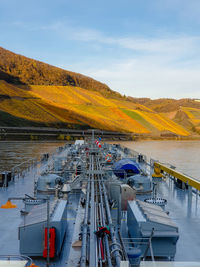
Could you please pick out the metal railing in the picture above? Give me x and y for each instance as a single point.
(19, 170)
(138, 243)
(159, 167)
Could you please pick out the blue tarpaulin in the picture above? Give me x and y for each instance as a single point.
(125, 168)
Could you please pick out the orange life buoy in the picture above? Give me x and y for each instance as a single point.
(108, 158)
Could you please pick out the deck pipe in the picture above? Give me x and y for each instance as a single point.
(99, 222)
(112, 231)
(85, 226)
(93, 243)
(115, 244)
(103, 221)
(48, 227)
(98, 215)
(93, 237)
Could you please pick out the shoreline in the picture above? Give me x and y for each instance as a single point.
(193, 138)
(62, 134)
(60, 138)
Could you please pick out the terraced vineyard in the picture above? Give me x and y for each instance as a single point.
(76, 107)
(26, 101)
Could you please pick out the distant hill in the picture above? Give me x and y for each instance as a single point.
(166, 104)
(185, 112)
(33, 93)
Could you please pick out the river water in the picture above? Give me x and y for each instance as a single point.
(15, 152)
(185, 155)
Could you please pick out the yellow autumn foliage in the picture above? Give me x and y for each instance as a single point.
(193, 114)
(75, 105)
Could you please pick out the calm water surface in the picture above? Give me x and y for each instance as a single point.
(15, 152)
(185, 155)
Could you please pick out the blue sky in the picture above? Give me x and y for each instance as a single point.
(142, 48)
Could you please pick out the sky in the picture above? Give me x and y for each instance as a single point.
(140, 48)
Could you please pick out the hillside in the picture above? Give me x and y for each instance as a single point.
(185, 112)
(17, 69)
(166, 104)
(33, 93)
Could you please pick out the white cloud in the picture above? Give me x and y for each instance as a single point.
(163, 66)
(149, 77)
(161, 44)
(159, 67)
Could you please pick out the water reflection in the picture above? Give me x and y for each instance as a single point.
(15, 152)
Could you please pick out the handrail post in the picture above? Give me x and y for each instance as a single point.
(48, 225)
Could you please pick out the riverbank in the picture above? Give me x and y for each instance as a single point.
(53, 134)
(157, 138)
(45, 133)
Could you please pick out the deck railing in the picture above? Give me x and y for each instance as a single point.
(160, 167)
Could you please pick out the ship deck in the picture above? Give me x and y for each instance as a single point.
(12, 218)
(186, 214)
(182, 210)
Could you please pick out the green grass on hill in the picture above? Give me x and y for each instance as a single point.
(139, 118)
